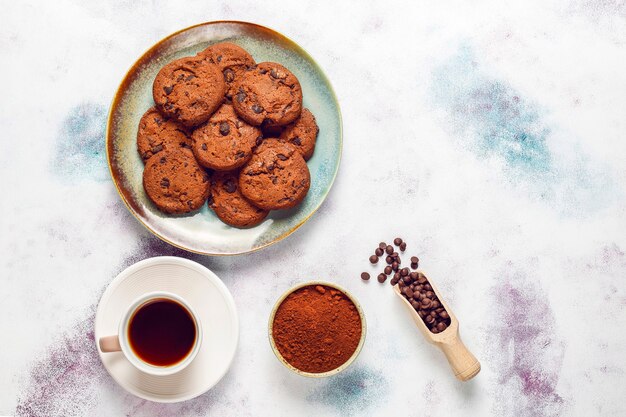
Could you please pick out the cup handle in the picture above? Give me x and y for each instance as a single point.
(110, 344)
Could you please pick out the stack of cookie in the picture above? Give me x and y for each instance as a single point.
(227, 130)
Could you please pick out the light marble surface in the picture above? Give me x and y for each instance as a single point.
(490, 136)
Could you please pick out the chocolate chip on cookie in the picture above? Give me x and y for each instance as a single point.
(225, 142)
(276, 177)
(175, 182)
(156, 134)
(302, 133)
(231, 59)
(268, 94)
(189, 90)
(230, 205)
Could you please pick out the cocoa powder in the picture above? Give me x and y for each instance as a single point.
(316, 328)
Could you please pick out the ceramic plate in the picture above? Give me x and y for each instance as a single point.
(208, 297)
(202, 232)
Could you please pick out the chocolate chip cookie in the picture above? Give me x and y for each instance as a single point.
(230, 205)
(156, 133)
(231, 59)
(268, 94)
(302, 134)
(175, 182)
(276, 177)
(225, 142)
(189, 90)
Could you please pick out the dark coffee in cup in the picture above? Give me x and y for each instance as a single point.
(162, 332)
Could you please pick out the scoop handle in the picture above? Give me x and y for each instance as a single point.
(463, 362)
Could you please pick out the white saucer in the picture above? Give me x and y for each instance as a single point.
(206, 294)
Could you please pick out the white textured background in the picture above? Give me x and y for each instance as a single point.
(490, 136)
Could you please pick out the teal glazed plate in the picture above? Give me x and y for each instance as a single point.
(202, 232)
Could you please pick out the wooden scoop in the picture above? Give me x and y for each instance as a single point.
(463, 362)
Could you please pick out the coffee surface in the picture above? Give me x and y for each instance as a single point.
(162, 332)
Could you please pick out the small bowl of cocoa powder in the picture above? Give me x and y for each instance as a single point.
(317, 329)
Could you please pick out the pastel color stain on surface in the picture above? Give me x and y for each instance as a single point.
(352, 392)
(526, 352)
(80, 152)
(502, 122)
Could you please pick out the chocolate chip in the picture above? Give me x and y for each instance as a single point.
(397, 275)
(397, 241)
(374, 259)
(229, 75)
(165, 182)
(413, 266)
(224, 128)
(219, 58)
(403, 246)
(230, 186)
(389, 249)
(204, 147)
(414, 259)
(382, 245)
(394, 266)
(379, 252)
(296, 141)
(281, 157)
(168, 89)
(259, 139)
(365, 276)
(393, 281)
(413, 275)
(389, 260)
(162, 160)
(256, 108)
(382, 278)
(441, 326)
(444, 314)
(388, 270)
(190, 77)
(273, 73)
(241, 96)
(156, 149)
(240, 155)
(404, 272)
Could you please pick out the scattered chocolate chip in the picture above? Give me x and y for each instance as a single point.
(374, 259)
(382, 245)
(404, 272)
(365, 276)
(382, 278)
(403, 246)
(414, 259)
(397, 241)
(388, 270)
(224, 128)
(241, 96)
(379, 252)
(389, 249)
(389, 260)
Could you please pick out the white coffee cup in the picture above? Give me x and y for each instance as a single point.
(120, 341)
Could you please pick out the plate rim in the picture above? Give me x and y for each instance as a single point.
(124, 274)
(117, 98)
